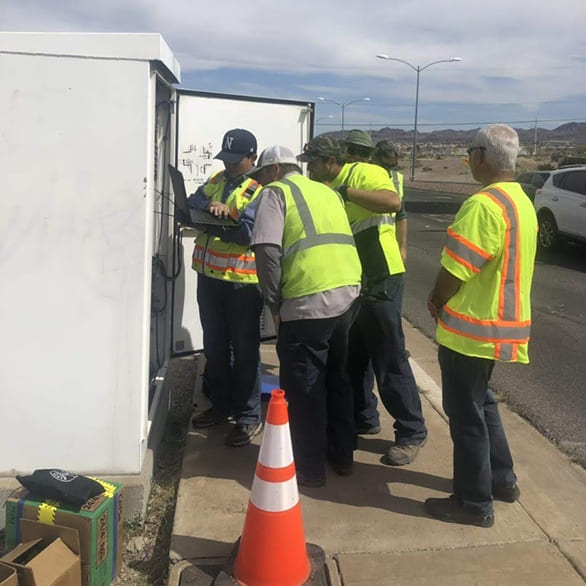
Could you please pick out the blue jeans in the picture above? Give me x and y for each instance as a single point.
(378, 334)
(312, 355)
(230, 318)
(482, 458)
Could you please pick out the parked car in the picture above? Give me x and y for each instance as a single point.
(561, 206)
(531, 181)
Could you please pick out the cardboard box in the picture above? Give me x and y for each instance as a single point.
(47, 556)
(8, 575)
(99, 524)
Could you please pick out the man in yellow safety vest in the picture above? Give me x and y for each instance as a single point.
(309, 272)
(370, 203)
(481, 302)
(227, 292)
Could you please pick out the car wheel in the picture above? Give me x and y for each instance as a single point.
(548, 231)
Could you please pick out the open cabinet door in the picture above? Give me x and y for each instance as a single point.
(202, 120)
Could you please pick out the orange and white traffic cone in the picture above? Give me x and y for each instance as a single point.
(272, 550)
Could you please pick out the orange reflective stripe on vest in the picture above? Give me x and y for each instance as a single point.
(465, 252)
(507, 330)
(217, 261)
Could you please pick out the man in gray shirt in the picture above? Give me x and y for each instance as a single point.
(309, 273)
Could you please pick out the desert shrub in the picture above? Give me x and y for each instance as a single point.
(546, 167)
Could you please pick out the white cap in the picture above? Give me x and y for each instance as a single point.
(274, 155)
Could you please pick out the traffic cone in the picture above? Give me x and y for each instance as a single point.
(272, 549)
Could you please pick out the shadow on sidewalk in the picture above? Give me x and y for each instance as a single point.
(373, 485)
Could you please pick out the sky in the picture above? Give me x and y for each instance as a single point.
(522, 60)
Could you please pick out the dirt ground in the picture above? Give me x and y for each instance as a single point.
(452, 174)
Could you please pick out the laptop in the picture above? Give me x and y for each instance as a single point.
(191, 217)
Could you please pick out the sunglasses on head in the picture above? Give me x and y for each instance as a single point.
(470, 150)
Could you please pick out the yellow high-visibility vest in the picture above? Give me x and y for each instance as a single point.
(220, 259)
(374, 233)
(491, 247)
(318, 250)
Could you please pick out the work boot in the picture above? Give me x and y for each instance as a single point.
(243, 433)
(452, 510)
(368, 429)
(400, 455)
(208, 418)
(508, 494)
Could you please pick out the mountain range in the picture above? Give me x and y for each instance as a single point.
(574, 132)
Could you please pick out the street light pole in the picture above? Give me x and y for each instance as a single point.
(343, 105)
(418, 69)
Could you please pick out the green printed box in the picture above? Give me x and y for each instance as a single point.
(99, 523)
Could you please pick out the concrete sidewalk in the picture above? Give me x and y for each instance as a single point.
(373, 525)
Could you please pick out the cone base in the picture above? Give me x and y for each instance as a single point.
(317, 577)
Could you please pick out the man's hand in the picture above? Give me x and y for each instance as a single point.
(403, 251)
(433, 309)
(277, 322)
(219, 209)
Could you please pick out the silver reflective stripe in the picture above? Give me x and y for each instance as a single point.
(317, 241)
(508, 301)
(395, 179)
(378, 220)
(462, 251)
(505, 351)
(488, 332)
(224, 263)
(312, 238)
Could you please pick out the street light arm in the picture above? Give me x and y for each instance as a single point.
(359, 100)
(332, 101)
(451, 60)
(387, 58)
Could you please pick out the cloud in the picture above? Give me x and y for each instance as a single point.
(524, 53)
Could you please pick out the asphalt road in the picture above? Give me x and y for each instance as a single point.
(550, 392)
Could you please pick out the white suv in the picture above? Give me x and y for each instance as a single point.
(561, 206)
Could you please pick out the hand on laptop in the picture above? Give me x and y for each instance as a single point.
(219, 209)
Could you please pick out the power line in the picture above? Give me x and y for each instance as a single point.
(449, 124)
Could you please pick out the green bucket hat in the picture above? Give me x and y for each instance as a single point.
(359, 138)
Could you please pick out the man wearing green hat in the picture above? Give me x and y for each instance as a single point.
(370, 200)
(358, 146)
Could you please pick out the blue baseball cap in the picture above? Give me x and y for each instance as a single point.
(237, 144)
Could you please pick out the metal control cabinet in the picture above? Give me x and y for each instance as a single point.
(88, 307)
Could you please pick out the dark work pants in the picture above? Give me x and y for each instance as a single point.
(482, 458)
(378, 334)
(312, 355)
(230, 318)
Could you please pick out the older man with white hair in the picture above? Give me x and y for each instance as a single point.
(481, 302)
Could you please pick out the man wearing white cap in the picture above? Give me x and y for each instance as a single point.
(309, 273)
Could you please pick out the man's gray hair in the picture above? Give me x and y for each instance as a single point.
(501, 146)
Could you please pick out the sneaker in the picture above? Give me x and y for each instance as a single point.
(451, 510)
(310, 481)
(400, 455)
(208, 418)
(508, 494)
(368, 429)
(243, 433)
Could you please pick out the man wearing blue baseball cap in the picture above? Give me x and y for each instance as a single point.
(227, 293)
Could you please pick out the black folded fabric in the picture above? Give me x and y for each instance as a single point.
(61, 486)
